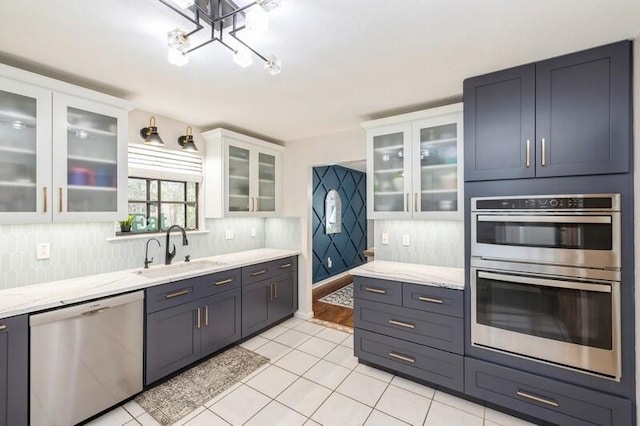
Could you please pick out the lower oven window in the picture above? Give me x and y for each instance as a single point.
(569, 315)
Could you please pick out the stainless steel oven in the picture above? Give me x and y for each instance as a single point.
(552, 314)
(545, 279)
(575, 230)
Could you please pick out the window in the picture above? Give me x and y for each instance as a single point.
(156, 204)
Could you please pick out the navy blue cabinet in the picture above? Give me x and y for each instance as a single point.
(14, 357)
(269, 294)
(566, 116)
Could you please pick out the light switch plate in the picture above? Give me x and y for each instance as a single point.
(406, 240)
(329, 263)
(228, 234)
(253, 232)
(43, 251)
(385, 238)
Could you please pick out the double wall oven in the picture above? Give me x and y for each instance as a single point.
(545, 279)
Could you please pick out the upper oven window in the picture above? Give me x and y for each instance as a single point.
(573, 232)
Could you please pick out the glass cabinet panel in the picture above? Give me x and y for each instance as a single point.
(18, 153)
(92, 161)
(438, 152)
(389, 172)
(238, 175)
(266, 183)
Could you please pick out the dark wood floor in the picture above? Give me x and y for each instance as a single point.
(328, 312)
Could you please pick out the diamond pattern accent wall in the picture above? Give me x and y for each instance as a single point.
(345, 248)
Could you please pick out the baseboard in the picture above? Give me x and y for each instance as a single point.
(329, 280)
(303, 315)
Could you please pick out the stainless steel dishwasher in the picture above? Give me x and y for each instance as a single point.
(85, 359)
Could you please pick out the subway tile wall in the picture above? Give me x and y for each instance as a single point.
(439, 243)
(82, 249)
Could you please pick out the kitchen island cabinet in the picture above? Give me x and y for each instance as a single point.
(14, 371)
(565, 116)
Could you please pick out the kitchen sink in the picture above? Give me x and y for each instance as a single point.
(178, 268)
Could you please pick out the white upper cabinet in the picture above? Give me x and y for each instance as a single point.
(414, 165)
(63, 157)
(242, 175)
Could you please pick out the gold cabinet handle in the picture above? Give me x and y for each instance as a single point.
(285, 266)
(275, 290)
(375, 290)
(404, 358)
(176, 294)
(255, 206)
(415, 204)
(407, 202)
(206, 316)
(544, 152)
(60, 200)
(430, 300)
(44, 198)
(3, 327)
(198, 318)
(270, 292)
(223, 282)
(402, 324)
(528, 153)
(527, 395)
(255, 274)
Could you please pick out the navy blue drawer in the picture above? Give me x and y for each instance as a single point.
(544, 398)
(376, 290)
(261, 271)
(433, 299)
(173, 294)
(220, 281)
(425, 328)
(424, 363)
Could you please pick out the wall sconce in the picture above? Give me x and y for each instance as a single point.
(186, 142)
(150, 134)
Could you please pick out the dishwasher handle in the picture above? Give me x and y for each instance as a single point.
(86, 309)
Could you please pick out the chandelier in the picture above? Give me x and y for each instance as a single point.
(226, 21)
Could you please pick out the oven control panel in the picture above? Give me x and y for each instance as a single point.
(545, 203)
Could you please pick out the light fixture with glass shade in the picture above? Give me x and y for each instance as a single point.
(186, 142)
(226, 22)
(150, 134)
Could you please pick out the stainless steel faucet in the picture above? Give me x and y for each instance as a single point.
(146, 252)
(169, 255)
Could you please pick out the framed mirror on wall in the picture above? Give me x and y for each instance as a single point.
(333, 212)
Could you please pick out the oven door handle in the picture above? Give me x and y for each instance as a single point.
(546, 219)
(600, 288)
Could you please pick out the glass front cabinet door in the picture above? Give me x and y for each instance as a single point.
(437, 166)
(389, 172)
(25, 153)
(89, 160)
(414, 165)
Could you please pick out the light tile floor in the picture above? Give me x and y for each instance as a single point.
(314, 379)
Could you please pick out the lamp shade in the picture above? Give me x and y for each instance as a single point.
(186, 142)
(150, 134)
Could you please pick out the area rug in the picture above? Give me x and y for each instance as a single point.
(181, 395)
(341, 297)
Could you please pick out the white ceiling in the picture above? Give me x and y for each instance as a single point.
(344, 61)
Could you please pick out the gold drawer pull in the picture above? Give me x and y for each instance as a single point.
(375, 290)
(285, 266)
(44, 196)
(430, 300)
(206, 315)
(402, 324)
(404, 358)
(198, 324)
(3, 327)
(60, 200)
(227, 281)
(550, 402)
(179, 293)
(255, 274)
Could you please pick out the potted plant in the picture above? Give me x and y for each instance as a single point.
(125, 225)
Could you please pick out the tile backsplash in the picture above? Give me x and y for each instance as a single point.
(82, 249)
(439, 243)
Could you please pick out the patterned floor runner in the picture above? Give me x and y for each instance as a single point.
(341, 297)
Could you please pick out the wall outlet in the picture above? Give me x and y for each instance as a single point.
(253, 232)
(43, 251)
(329, 262)
(228, 234)
(406, 240)
(385, 238)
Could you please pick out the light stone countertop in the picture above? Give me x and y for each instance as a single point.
(437, 276)
(38, 297)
